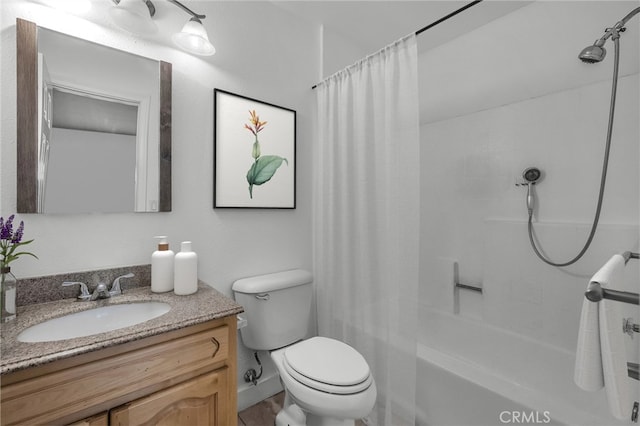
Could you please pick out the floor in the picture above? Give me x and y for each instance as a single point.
(264, 412)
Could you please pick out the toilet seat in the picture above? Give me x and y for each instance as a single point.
(327, 365)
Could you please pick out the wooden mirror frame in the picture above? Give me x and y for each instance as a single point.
(27, 123)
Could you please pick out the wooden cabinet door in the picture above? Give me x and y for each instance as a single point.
(196, 402)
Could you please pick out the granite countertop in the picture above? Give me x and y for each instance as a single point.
(204, 305)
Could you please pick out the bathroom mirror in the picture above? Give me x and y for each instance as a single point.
(93, 126)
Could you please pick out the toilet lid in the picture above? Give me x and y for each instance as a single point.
(328, 365)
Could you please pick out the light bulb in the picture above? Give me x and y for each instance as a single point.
(194, 39)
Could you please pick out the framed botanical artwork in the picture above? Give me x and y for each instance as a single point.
(254, 153)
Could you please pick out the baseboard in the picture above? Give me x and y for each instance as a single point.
(249, 394)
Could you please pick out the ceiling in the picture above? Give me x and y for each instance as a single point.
(375, 24)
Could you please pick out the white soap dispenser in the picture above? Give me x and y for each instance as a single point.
(186, 270)
(162, 267)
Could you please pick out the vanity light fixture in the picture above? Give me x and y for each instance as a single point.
(135, 17)
(193, 38)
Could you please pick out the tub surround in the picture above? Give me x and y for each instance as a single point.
(205, 305)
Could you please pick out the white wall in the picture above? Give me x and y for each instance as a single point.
(339, 52)
(231, 243)
(506, 96)
(263, 53)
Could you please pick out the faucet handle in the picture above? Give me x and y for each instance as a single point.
(115, 287)
(84, 291)
(629, 327)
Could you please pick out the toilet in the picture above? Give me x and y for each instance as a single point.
(326, 382)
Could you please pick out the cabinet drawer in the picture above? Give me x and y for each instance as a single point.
(53, 396)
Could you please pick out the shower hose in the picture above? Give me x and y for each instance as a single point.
(603, 177)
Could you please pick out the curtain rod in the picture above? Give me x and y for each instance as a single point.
(433, 24)
(451, 15)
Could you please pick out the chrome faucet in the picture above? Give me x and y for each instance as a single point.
(101, 291)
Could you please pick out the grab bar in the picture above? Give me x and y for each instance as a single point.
(630, 255)
(469, 287)
(596, 293)
(633, 370)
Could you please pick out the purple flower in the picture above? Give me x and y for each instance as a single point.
(17, 237)
(7, 229)
(10, 241)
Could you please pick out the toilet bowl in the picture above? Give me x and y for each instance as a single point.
(326, 382)
(327, 379)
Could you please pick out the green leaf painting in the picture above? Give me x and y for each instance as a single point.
(264, 166)
(263, 169)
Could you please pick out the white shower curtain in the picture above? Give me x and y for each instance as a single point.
(366, 219)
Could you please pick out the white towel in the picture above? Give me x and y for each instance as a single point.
(600, 356)
(588, 373)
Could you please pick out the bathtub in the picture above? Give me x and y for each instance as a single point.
(470, 373)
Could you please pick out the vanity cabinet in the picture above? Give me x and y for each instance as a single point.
(186, 376)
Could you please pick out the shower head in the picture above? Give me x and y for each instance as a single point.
(531, 175)
(594, 53)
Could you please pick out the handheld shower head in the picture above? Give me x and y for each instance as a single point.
(531, 175)
(593, 54)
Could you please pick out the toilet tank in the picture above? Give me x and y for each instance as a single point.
(277, 308)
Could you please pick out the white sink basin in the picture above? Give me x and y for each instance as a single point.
(93, 321)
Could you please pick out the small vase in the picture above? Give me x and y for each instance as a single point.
(7, 295)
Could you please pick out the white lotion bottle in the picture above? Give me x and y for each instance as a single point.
(186, 270)
(162, 267)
